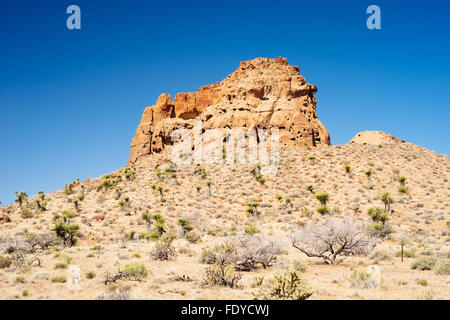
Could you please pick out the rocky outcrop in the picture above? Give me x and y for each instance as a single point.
(374, 138)
(262, 93)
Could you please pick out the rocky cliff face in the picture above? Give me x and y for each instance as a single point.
(262, 93)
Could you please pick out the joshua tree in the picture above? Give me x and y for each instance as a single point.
(310, 188)
(119, 192)
(64, 229)
(252, 209)
(379, 227)
(160, 224)
(368, 173)
(323, 197)
(147, 217)
(312, 159)
(68, 189)
(40, 201)
(402, 180)
(288, 202)
(160, 190)
(387, 200)
(21, 198)
(185, 225)
(347, 168)
(208, 183)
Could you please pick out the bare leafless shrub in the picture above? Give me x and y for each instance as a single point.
(334, 240)
(42, 242)
(163, 249)
(255, 251)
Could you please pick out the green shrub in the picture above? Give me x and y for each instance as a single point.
(135, 270)
(59, 279)
(380, 255)
(410, 253)
(442, 267)
(424, 263)
(251, 229)
(287, 286)
(61, 265)
(360, 278)
(402, 189)
(26, 213)
(5, 262)
(299, 266)
(422, 282)
(90, 275)
(323, 210)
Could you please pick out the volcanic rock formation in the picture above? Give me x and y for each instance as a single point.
(262, 93)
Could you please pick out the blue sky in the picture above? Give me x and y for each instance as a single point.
(71, 100)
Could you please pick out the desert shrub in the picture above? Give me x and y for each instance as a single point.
(59, 279)
(221, 275)
(361, 279)
(208, 256)
(424, 263)
(26, 213)
(380, 255)
(442, 267)
(422, 282)
(323, 197)
(225, 251)
(323, 210)
(5, 262)
(134, 271)
(90, 275)
(42, 242)
(251, 229)
(116, 292)
(287, 286)
(310, 188)
(193, 237)
(255, 251)
(61, 265)
(402, 189)
(164, 250)
(23, 262)
(299, 266)
(409, 253)
(333, 240)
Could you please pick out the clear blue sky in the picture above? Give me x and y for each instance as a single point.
(71, 100)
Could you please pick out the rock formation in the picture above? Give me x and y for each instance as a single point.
(262, 93)
(374, 138)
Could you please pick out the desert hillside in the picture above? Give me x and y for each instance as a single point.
(364, 220)
(420, 218)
